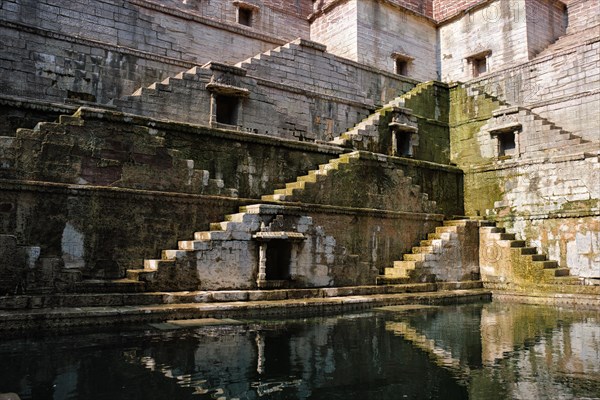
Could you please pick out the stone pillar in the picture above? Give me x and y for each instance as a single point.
(293, 260)
(262, 263)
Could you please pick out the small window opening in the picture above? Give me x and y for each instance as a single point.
(244, 16)
(279, 257)
(401, 67)
(506, 144)
(402, 63)
(403, 145)
(227, 109)
(479, 66)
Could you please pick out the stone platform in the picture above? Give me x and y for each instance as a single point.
(29, 314)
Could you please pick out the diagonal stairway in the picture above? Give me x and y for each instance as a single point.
(544, 136)
(238, 226)
(310, 187)
(421, 265)
(541, 136)
(367, 130)
(196, 76)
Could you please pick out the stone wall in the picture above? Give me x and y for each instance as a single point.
(337, 28)
(497, 32)
(445, 9)
(546, 22)
(547, 194)
(376, 33)
(582, 14)
(101, 51)
(386, 32)
(275, 96)
(555, 86)
(71, 185)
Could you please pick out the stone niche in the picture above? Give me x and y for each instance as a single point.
(404, 132)
(226, 96)
(278, 258)
(504, 129)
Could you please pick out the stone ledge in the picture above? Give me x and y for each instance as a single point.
(233, 135)
(110, 316)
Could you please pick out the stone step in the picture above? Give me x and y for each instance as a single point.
(492, 229)
(423, 249)
(195, 245)
(503, 236)
(459, 222)
(109, 286)
(446, 229)
(536, 257)
(527, 250)
(273, 197)
(407, 264)
(546, 264)
(517, 243)
(420, 257)
(174, 255)
(396, 273)
(156, 264)
(392, 280)
(557, 272)
(429, 243)
(141, 275)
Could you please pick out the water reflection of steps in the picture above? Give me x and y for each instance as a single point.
(441, 357)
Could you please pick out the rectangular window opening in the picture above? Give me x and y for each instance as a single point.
(227, 109)
(401, 67)
(479, 66)
(244, 16)
(506, 144)
(403, 144)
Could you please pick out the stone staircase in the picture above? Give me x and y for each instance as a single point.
(276, 64)
(313, 187)
(544, 137)
(441, 249)
(502, 249)
(571, 39)
(238, 226)
(194, 76)
(367, 130)
(541, 136)
(292, 190)
(437, 253)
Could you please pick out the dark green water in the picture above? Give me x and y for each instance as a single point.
(484, 351)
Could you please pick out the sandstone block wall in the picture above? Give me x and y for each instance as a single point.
(499, 28)
(324, 97)
(546, 22)
(73, 184)
(582, 14)
(337, 28)
(444, 9)
(98, 51)
(547, 195)
(562, 86)
(372, 33)
(384, 31)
